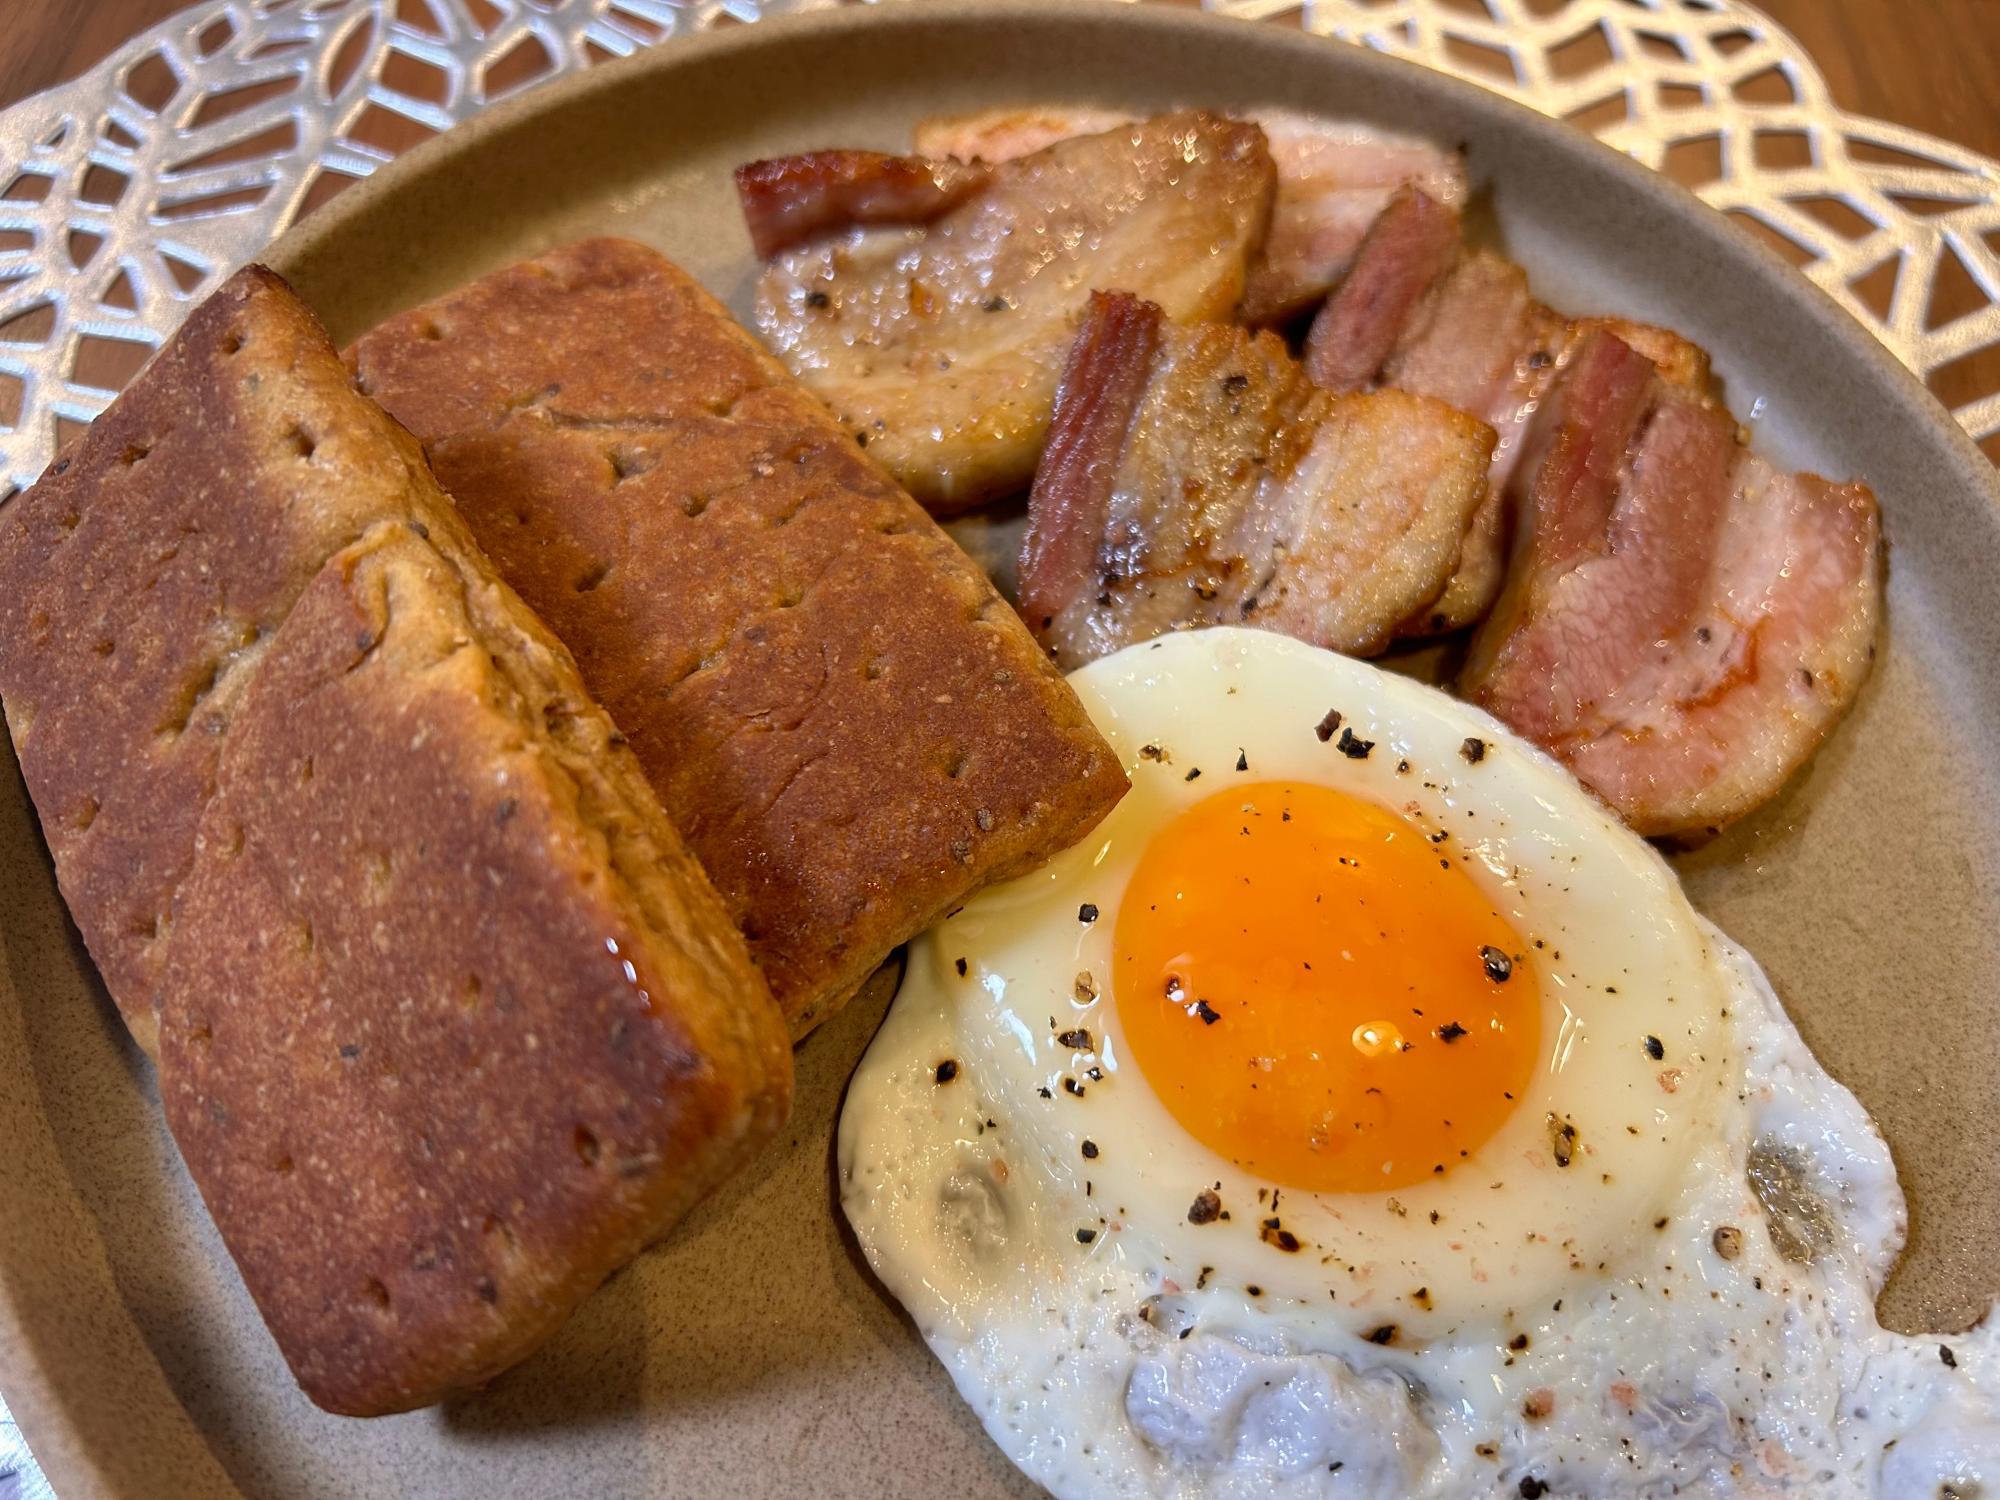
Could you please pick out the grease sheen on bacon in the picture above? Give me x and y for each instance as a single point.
(1420, 312)
(940, 347)
(788, 199)
(1682, 624)
(1195, 477)
(1334, 177)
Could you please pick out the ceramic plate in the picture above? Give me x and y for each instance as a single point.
(754, 1352)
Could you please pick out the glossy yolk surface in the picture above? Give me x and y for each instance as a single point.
(1313, 989)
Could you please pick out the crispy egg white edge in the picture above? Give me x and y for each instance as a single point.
(1039, 1331)
(1720, 1376)
(1622, 959)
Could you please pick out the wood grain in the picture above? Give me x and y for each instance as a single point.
(46, 41)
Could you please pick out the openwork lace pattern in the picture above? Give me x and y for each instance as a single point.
(126, 195)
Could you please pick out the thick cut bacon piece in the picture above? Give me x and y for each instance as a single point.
(1410, 247)
(1681, 623)
(1418, 313)
(940, 347)
(996, 135)
(1195, 477)
(789, 199)
(1334, 178)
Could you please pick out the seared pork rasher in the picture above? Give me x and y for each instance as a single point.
(940, 346)
(1420, 313)
(1681, 624)
(791, 199)
(1194, 476)
(1334, 177)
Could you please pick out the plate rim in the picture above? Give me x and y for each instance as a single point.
(43, 1412)
(311, 235)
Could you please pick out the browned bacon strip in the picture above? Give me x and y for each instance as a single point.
(1681, 624)
(1334, 176)
(1754, 686)
(940, 347)
(789, 199)
(1463, 327)
(1409, 247)
(1107, 373)
(1194, 476)
(1578, 451)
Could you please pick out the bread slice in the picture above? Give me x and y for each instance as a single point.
(140, 581)
(453, 1025)
(850, 727)
(449, 1022)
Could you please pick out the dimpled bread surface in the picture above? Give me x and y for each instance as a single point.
(448, 1020)
(437, 912)
(847, 723)
(140, 581)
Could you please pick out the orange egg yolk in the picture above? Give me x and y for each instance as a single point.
(1318, 993)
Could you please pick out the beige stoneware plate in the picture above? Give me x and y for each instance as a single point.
(753, 1354)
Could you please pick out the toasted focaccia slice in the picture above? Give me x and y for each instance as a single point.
(847, 723)
(142, 577)
(452, 1024)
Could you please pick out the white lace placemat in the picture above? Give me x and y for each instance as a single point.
(129, 193)
(20, 1478)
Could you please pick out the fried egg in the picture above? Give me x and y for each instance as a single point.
(1361, 1110)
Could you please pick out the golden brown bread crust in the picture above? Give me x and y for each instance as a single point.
(453, 1025)
(450, 1020)
(849, 726)
(141, 578)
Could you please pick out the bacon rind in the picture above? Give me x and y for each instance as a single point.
(787, 200)
(1409, 247)
(1226, 488)
(1682, 625)
(1107, 373)
(1572, 465)
(1334, 178)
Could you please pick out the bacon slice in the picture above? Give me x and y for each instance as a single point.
(1419, 314)
(789, 199)
(1194, 476)
(1681, 623)
(996, 135)
(1412, 244)
(940, 347)
(1109, 368)
(1334, 179)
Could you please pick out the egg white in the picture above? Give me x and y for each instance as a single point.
(1150, 1357)
(1024, 986)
